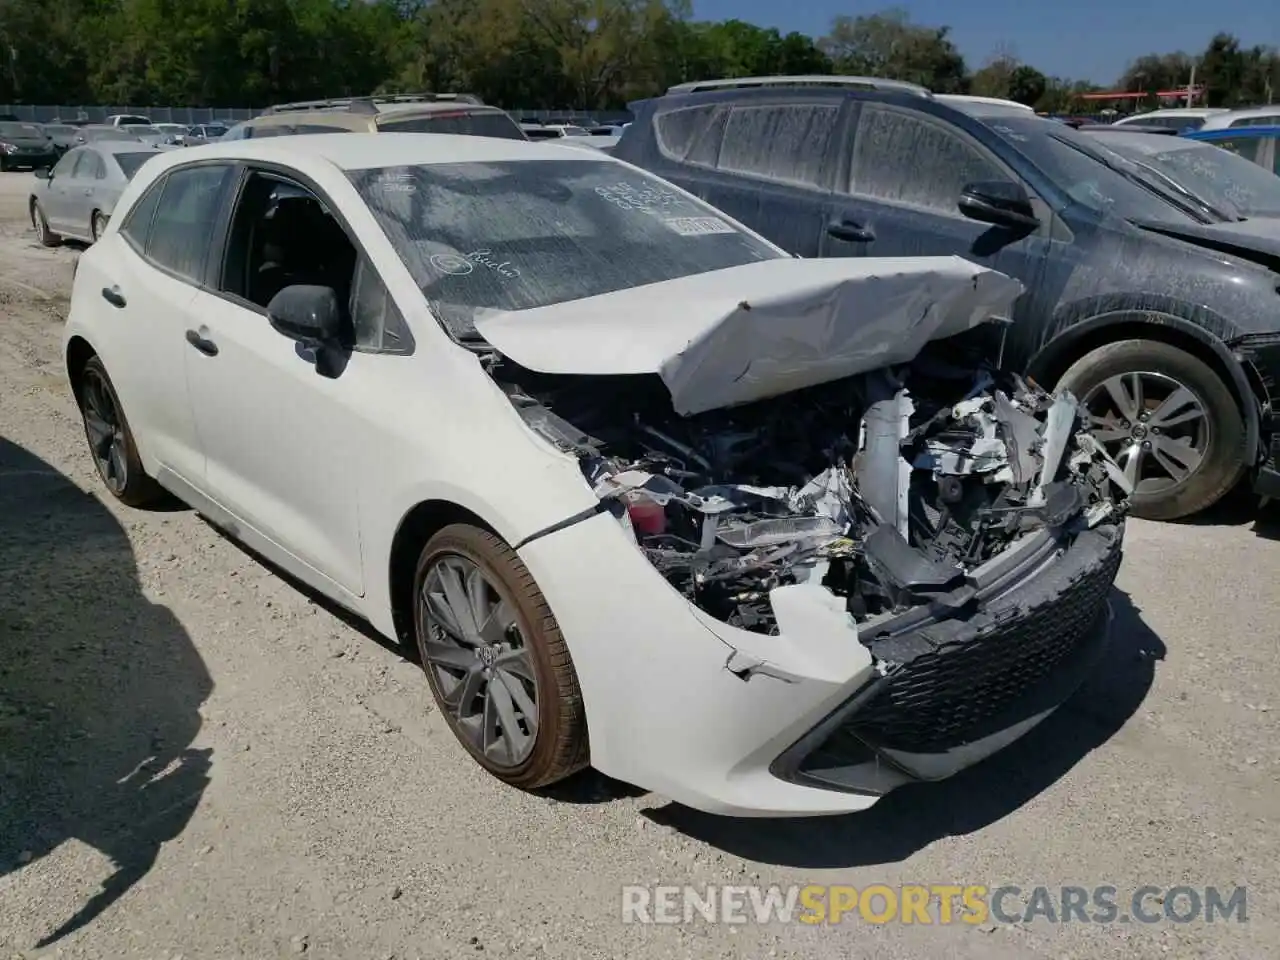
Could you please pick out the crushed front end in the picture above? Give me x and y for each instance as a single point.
(1261, 353)
(965, 526)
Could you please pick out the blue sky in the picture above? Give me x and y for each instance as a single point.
(1082, 39)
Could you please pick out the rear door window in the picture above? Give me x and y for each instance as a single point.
(904, 157)
(783, 142)
(185, 219)
(85, 165)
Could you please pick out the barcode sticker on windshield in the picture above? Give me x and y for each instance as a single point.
(698, 226)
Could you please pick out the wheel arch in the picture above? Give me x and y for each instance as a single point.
(1052, 360)
(79, 352)
(422, 522)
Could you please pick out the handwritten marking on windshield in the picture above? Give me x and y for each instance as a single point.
(646, 199)
(452, 264)
(502, 268)
(698, 226)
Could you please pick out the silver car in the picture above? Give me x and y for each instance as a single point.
(75, 198)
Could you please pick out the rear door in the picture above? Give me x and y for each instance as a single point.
(55, 198)
(899, 196)
(144, 278)
(769, 165)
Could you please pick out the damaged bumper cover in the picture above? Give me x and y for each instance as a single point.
(886, 560)
(1262, 353)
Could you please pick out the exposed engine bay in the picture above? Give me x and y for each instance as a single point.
(888, 488)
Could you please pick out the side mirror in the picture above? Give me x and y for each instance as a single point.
(1000, 202)
(309, 314)
(43, 173)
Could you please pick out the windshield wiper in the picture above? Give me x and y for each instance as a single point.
(1199, 201)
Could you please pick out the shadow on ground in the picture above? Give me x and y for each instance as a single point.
(1240, 508)
(100, 690)
(913, 817)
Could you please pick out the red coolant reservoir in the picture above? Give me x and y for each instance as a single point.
(648, 517)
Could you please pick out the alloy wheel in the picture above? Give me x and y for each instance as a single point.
(104, 428)
(1157, 429)
(479, 661)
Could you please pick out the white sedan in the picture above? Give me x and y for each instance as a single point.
(641, 489)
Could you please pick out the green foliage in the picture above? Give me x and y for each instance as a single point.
(587, 54)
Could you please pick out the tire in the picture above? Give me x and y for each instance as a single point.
(46, 236)
(1217, 431)
(115, 455)
(530, 656)
(97, 223)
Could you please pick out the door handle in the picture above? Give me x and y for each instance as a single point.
(203, 344)
(850, 232)
(113, 296)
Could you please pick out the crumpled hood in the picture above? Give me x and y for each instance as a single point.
(759, 330)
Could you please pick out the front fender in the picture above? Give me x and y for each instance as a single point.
(1206, 327)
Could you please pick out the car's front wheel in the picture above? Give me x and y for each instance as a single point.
(111, 441)
(1167, 418)
(497, 665)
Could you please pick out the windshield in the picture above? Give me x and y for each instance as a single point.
(131, 163)
(1070, 161)
(133, 121)
(482, 124)
(10, 129)
(1221, 177)
(516, 235)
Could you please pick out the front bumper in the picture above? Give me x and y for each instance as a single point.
(961, 690)
(744, 724)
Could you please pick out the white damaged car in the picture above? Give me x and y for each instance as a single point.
(764, 535)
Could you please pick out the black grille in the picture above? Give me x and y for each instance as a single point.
(946, 696)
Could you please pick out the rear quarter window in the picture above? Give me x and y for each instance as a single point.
(677, 131)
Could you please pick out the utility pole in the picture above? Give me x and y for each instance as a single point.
(1191, 87)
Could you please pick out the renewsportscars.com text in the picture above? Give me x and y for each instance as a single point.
(941, 904)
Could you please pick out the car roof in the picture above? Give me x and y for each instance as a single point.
(963, 100)
(362, 151)
(1224, 119)
(1174, 112)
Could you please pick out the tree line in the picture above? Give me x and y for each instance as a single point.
(535, 54)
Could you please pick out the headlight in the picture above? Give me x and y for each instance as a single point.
(7, 147)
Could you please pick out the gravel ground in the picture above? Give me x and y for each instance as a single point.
(198, 760)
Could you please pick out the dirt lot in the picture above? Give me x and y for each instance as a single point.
(197, 760)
